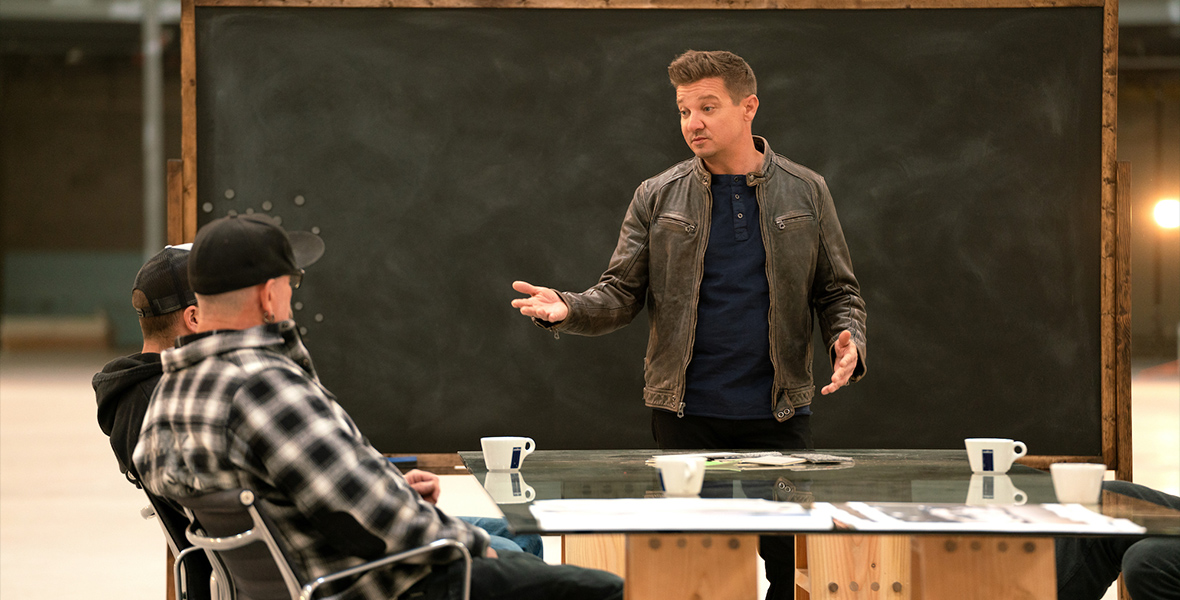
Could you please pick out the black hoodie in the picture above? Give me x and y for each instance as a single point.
(123, 390)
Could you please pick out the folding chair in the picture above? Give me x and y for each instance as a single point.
(236, 529)
(196, 579)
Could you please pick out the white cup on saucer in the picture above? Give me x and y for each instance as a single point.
(681, 476)
(506, 453)
(993, 456)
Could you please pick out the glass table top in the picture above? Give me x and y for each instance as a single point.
(911, 476)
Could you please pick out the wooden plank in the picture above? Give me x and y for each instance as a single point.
(175, 202)
(444, 463)
(1042, 462)
(56, 332)
(802, 571)
(861, 567)
(690, 567)
(170, 574)
(978, 567)
(188, 124)
(660, 4)
(607, 552)
(983, 568)
(1108, 293)
(1122, 327)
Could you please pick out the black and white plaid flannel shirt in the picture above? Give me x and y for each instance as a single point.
(245, 409)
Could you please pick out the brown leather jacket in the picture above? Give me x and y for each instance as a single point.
(660, 258)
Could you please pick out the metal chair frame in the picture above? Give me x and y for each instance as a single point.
(259, 532)
(219, 588)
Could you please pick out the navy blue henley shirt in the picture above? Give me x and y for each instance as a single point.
(730, 375)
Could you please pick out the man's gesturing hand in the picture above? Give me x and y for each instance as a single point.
(542, 303)
(846, 357)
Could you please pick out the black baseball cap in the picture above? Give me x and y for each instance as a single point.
(240, 251)
(163, 279)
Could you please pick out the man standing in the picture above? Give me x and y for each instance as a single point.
(240, 405)
(735, 252)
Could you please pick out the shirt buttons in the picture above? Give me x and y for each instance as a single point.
(737, 196)
(740, 215)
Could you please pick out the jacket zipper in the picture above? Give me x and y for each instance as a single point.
(704, 244)
(781, 222)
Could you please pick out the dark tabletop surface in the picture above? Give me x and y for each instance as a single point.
(920, 476)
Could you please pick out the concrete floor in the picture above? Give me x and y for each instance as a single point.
(70, 525)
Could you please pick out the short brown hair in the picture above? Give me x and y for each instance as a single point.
(161, 328)
(694, 65)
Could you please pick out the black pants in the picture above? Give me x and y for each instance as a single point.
(695, 433)
(517, 576)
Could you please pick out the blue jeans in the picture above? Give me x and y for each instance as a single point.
(1086, 566)
(504, 539)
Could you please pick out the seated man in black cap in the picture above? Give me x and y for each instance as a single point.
(167, 309)
(240, 405)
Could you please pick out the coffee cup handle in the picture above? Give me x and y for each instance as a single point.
(529, 446)
(1019, 449)
(1019, 497)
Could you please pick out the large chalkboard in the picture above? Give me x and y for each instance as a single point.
(444, 153)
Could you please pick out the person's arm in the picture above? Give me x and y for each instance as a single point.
(291, 434)
(619, 294)
(835, 294)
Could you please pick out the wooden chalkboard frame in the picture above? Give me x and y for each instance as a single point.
(1115, 186)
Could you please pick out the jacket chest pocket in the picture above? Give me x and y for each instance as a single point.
(674, 240)
(794, 220)
(675, 222)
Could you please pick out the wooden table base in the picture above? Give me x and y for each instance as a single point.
(835, 567)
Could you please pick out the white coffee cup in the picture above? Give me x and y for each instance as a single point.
(1077, 483)
(508, 487)
(993, 456)
(994, 489)
(681, 475)
(505, 453)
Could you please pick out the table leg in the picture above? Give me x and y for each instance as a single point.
(930, 567)
(672, 566)
(691, 566)
(606, 551)
(859, 566)
(984, 568)
(852, 566)
(802, 573)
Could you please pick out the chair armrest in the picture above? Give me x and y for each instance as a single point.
(310, 588)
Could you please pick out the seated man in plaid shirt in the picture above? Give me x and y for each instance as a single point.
(239, 405)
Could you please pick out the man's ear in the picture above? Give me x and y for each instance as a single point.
(268, 296)
(191, 318)
(750, 107)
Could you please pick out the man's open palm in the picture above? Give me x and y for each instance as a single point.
(542, 303)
